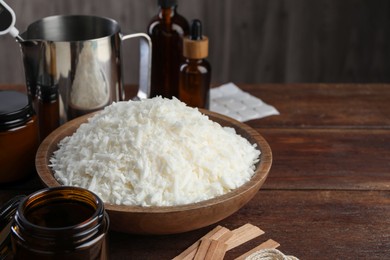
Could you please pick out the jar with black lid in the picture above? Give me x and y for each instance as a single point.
(18, 136)
(60, 223)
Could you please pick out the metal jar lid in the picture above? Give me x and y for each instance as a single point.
(15, 109)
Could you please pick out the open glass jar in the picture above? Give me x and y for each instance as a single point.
(60, 223)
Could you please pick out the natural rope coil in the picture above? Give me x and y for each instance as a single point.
(269, 254)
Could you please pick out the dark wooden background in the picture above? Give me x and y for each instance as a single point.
(251, 41)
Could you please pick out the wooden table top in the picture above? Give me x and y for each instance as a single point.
(328, 192)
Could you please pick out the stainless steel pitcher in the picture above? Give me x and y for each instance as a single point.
(81, 56)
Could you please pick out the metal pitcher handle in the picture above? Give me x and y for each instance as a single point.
(145, 64)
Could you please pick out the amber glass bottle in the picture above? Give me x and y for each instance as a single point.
(166, 30)
(18, 136)
(195, 72)
(48, 109)
(60, 223)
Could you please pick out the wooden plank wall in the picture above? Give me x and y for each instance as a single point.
(251, 41)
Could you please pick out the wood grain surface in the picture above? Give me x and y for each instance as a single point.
(329, 159)
(251, 41)
(308, 224)
(338, 106)
(327, 195)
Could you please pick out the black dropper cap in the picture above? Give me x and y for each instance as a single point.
(196, 30)
(167, 3)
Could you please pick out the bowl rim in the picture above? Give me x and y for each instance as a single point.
(263, 167)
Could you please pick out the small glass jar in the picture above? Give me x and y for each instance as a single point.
(60, 223)
(18, 136)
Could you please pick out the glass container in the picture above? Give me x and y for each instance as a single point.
(18, 136)
(60, 223)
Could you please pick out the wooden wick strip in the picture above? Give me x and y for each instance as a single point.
(216, 251)
(242, 235)
(265, 245)
(202, 249)
(218, 233)
(223, 237)
(216, 248)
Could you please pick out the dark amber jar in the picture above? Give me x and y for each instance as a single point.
(18, 136)
(60, 223)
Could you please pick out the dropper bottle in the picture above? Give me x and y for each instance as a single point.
(195, 72)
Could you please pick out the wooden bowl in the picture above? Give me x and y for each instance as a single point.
(170, 219)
